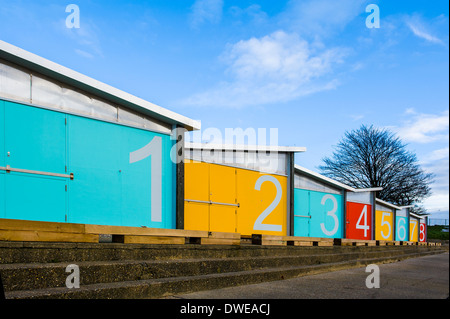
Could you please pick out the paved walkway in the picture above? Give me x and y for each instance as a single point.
(421, 278)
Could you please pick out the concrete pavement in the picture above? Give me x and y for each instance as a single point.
(416, 278)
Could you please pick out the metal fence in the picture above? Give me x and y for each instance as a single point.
(437, 221)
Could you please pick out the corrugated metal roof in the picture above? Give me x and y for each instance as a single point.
(333, 182)
(382, 202)
(322, 178)
(65, 75)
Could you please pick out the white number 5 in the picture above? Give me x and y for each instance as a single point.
(385, 222)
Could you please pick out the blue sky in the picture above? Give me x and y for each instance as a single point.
(310, 68)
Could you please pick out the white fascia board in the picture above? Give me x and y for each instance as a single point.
(417, 216)
(65, 75)
(372, 189)
(251, 148)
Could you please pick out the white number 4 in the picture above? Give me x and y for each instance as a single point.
(365, 226)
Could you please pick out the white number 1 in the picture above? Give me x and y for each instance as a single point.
(153, 149)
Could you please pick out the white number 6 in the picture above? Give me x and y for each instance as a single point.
(401, 229)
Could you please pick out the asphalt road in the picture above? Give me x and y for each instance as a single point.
(416, 278)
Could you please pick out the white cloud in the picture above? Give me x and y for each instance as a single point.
(437, 203)
(321, 17)
(425, 128)
(410, 111)
(206, 11)
(421, 30)
(86, 38)
(423, 34)
(356, 117)
(436, 155)
(84, 54)
(439, 199)
(432, 130)
(437, 163)
(275, 68)
(254, 13)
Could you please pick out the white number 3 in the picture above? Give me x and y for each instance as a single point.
(331, 213)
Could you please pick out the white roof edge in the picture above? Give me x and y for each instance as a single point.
(371, 189)
(39, 64)
(417, 216)
(388, 204)
(236, 147)
(323, 178)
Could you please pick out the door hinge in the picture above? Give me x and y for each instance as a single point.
(66, 187)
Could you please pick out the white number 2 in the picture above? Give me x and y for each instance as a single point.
(365, 226)
(331, 213)
(259, 221)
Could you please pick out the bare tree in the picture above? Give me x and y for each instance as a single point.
(371, 157)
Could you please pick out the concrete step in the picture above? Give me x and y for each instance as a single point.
(175, 284)
(46, 275)
(34, 252)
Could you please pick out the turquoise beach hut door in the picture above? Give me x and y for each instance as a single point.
(34, 175)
